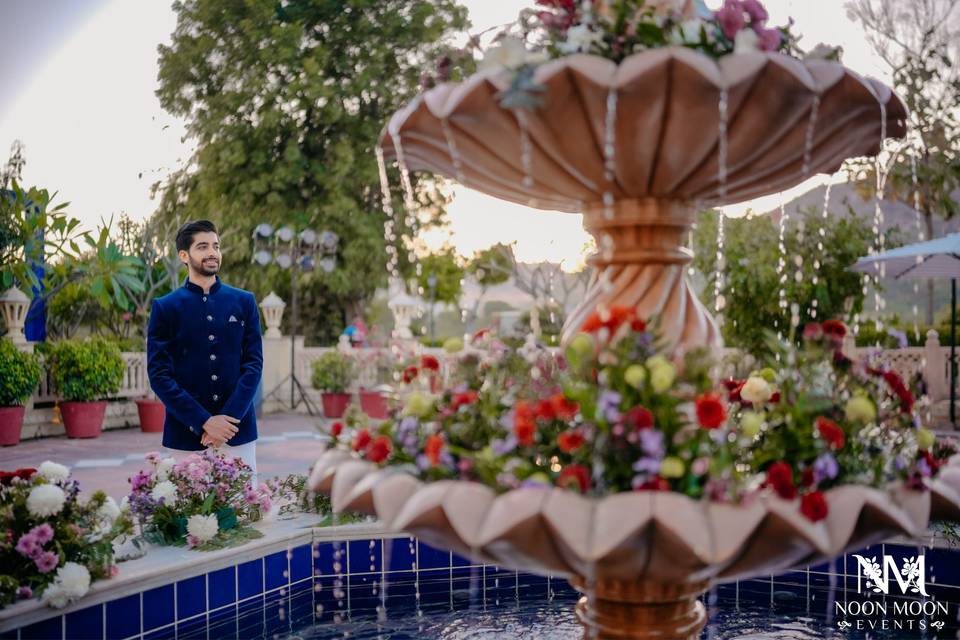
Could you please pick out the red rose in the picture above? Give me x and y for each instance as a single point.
(639, 418)
(524, 427)
(806, 478)
(733, 388)
(780, 479)
(479, 335)
(430, 363)
(463, 399)
(831, 432)
(379, 450)
(564, 408)
(410, 374)
(336, 429)
(574, 476)
(775, 398)
(25, 473)
(362, 440)
(835, 329)
(900, 389)
(570, 441)
(711, 413)
(611, 319)
(544, 410)
(433, 448)
(657, 483)
(814, 506)
(812, 331)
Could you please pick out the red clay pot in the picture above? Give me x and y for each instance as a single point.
(11, 420)
(334, 404)
(83, 419)
(374, 404)
(152, 415)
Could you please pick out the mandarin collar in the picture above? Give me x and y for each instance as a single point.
(196, 289)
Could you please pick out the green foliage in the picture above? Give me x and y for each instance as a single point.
(333, 372)
(492, 266)
(286, 102)
(444, 265)
(19, 374)
(86, 370)
(752, 285)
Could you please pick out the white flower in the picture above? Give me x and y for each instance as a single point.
(165, 491)
(202, 528)
(756, 390)
(579, 39)
(71, 582)
(162, 472)
(45, 500)
(687, 32)
(824, 52)
(53, 472)
(109, 511)
(746, 41)
(511, 53)
(124, 504)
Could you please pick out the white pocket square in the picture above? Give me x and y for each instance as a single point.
(232, 319)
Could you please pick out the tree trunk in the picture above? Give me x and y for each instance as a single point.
(928, 219)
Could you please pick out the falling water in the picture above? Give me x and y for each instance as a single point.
(339, 593)
(389, 218)
(609, 151)
(408, 198)
(822, 234)
(453, 151)
(880, 170)
(526, 153)
(720, 301)
(781, 267)
(921, 236)
(811, 130)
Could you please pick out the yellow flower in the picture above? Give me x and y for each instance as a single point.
(925, 438)
(453, 345)
(672, 467)
(860, 409)
(417, 405)
(750, 424)
(635, 375)
(662, 376)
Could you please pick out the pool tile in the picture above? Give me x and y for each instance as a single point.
(301, 607)
(366, 556)
(277, 572)
(157, 607)
(431, 558)
(193, 629)
(222, 587)
(276, 615)
(165, 633)
(250, 578)
(191, 597)
(250, 618)
(222, 624)
(43, 630)
(402, 554)
(325, 557)
(123, 617)
(86, 624)
(301, 562)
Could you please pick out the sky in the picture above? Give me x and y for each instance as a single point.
(78, 91)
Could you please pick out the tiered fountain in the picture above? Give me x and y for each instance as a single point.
(639, 148)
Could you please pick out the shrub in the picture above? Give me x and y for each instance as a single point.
(333, 372)
(19, 374)
(86, 370)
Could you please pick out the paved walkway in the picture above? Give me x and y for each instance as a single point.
(288, 443)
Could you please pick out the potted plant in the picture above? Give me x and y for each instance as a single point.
(20, 372)
(85, 372)
(373, 402)
(332, 374)
(152, 414)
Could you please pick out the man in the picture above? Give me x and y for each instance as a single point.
(204, 354)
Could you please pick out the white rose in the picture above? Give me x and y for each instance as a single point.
(45, 500)
(756, 390)
(579, 39)
(71, 582)
(202, 528)
(53, 472)
(109, 511)
(165, 491)
(162, 472)
(746, 42)
(511, 53)
(55, 596)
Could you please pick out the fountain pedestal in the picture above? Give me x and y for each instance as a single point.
(640, 264)
(641, 609)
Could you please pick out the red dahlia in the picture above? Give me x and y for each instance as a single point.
(711, 413)
(410, 374)
(362, 440)
(524, 427)
(379, 450)
(814, 506)
(432, 449)
(570, 441)
(564, 409)
(429, 363)
(831, 432)
(463, 399)
(336, 429)
(574, 476)
(639, 418)
(780, 479)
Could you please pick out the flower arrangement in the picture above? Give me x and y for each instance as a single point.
(206, 500)
(56, 543)
(613, 414)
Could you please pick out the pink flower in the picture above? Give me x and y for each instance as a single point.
(768, 39)
(153, 457)
(140, 481)
(24, 593)
(27, 545)
(755, 10)
(43, 533)
(47, 561)
(114, 570)
(730, 18)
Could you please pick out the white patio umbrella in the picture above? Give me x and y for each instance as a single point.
(937, 258)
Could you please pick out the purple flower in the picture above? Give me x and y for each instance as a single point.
(139, 481)
(24, 593)
(608, 405)
(47, 561)
(730, 18)
(923, 467)
(43, 533)
(647, 465)
(502, 447)
(534, 484)
(825, 467)
(27, 545)
(651, 441)
(899, 463)
(768, 39)
(755, 10)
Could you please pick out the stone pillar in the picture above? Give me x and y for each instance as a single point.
(272, 307)
(935, 371)
(14, 304)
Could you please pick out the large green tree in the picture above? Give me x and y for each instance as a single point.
(286, 102)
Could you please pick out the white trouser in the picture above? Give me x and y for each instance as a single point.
(246, 452)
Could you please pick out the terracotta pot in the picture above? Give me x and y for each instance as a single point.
(83, 419)
(11, 420)
(334, 404)
(152, 415)
(374, 404)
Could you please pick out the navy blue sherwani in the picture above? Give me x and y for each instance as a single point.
(205, 357)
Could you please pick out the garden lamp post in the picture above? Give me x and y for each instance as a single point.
(301, 252)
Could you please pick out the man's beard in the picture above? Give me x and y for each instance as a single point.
(203, 270)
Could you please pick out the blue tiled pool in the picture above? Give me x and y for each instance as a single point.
(396, 588)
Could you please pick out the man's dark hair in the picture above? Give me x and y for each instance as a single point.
(188, 230)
